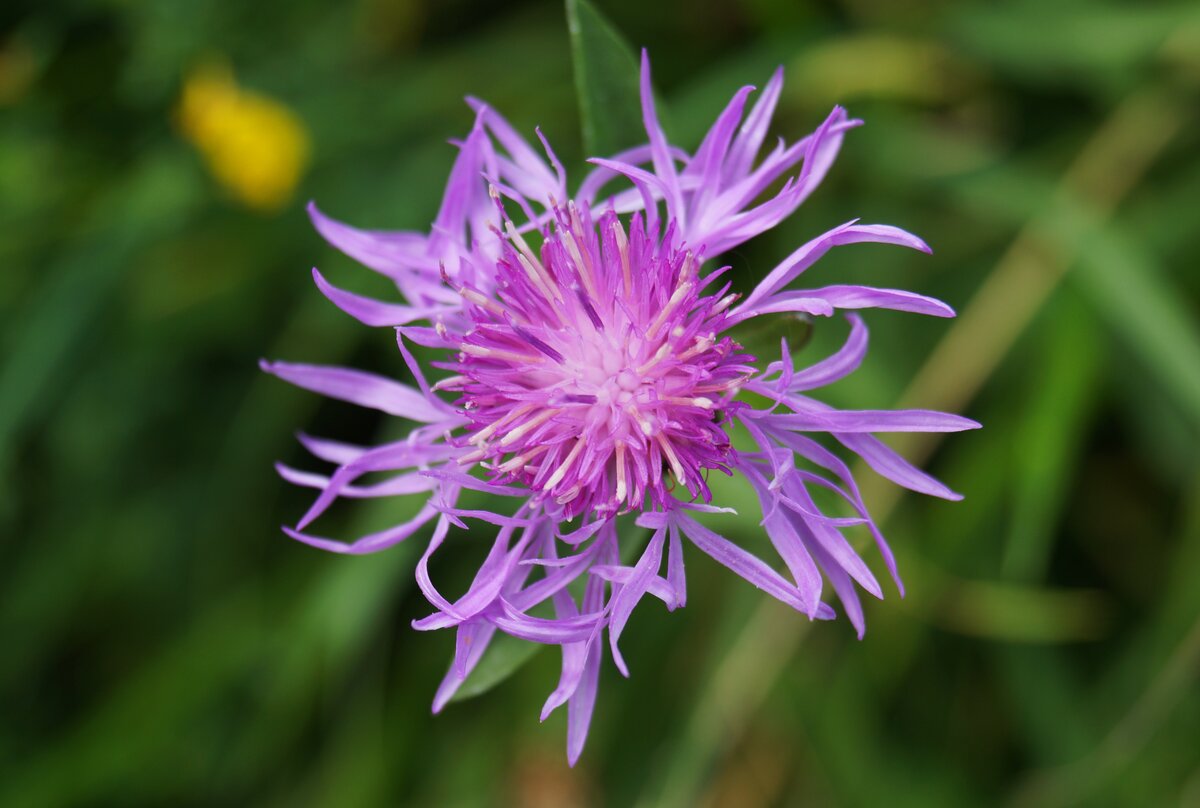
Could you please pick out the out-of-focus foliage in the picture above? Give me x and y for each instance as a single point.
(165, 644)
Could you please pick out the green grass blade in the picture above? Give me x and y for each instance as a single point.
(606, 81)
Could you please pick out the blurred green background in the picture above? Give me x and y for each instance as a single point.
(165, 644)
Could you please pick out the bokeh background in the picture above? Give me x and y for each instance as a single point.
(165, 644)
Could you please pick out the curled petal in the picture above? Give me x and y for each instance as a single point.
(887, 463)
(874, 421)
(629, 595)
(374, 312)
(664, 164)
(473, 638)
(372, 542)
(800, 260)
(390, 253)
(363, 389)
(754, 130)
(746, 565)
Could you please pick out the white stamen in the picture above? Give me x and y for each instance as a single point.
(527, 427)
(517, 463)
(568, 495)
(676, 466)
(659, 355)
(483, 301)
(623, 249)
(724, 303)
(676, 296)
(646, 427)
(701, 402)
(620, 449)
(471, 457)
(522, 246)
(702, 345)
(542, 284)
(561, 471)
(482, 435)
(582, 261)
(499, 353)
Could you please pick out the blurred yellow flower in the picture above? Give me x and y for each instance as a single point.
(255, 146)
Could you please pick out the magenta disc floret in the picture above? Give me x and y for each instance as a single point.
(598, 376)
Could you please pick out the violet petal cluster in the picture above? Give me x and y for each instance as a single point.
(592, 381)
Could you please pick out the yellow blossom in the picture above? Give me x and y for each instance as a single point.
(255, 146)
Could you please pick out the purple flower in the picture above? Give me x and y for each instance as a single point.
(595, 376)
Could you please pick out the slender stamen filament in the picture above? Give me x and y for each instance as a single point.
(623, 250)
(540, 283)
(527, 427)
(522, 246)
(482, 301)
(725, 303)
(659, 355)
(646, 427)
(563, 467)
(519, 462)
(720, 388)
(450, 383)
(582, 262)
(702, 345)
(568, 495)
(672, 458)
(701, 402)
(619, 450)
(500, 353)
(472, 457)
(678, 295)
(482, 435)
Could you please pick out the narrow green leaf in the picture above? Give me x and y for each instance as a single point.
(1146, 309)
(502, 659)
(606, 81)
(1062, 397)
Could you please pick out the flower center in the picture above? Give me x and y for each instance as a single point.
(598, 370)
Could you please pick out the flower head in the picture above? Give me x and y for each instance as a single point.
(594, 376)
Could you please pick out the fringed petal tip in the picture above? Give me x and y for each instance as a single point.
(446, 691)
(329, 545)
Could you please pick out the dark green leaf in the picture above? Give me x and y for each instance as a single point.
(502, 659)
(606, 81)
